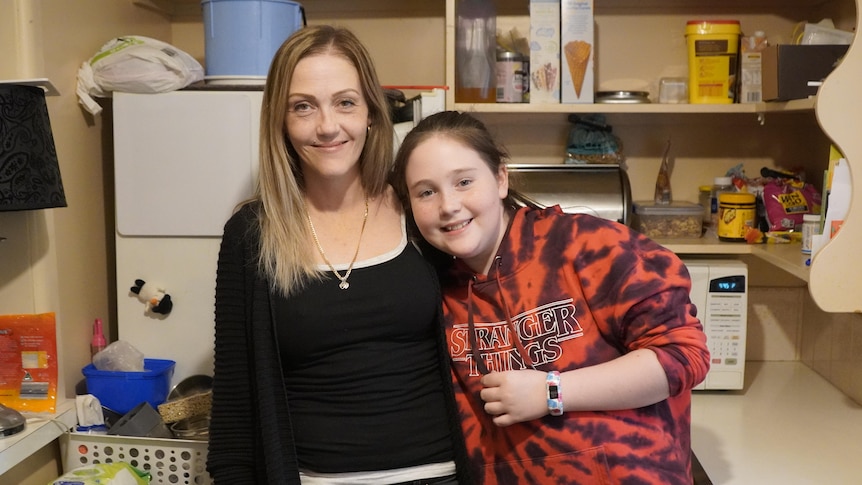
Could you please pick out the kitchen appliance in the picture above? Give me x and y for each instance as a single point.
(600, 190)
(719, 290)
(11, 421)
(183, 160)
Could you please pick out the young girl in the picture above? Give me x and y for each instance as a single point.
(573, 339)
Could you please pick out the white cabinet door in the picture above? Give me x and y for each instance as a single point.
(183, 160)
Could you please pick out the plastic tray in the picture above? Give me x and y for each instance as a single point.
(169, 461)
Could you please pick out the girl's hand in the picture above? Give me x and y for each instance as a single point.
(515, 396)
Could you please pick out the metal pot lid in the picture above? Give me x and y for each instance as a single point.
(633, 97)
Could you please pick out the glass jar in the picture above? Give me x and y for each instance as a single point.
(511, 75)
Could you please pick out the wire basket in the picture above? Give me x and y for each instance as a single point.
(169, 461)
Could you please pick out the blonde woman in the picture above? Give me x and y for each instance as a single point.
(329, 359)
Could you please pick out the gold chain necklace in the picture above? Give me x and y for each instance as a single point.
(344, 284)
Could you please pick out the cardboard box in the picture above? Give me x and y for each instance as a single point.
(787, 69)
(578, 50)
(544, 51)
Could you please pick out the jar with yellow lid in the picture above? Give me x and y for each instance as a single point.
(736, 212)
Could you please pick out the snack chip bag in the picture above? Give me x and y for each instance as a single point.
(786, 201)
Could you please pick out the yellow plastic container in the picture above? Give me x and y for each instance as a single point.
(736, 212)
(713, 50)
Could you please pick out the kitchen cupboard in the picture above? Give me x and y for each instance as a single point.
(638, 43)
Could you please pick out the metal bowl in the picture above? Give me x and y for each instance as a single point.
(190, 386)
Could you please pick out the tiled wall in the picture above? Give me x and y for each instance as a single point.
(832, 346)
(785, 324)
(774, 323)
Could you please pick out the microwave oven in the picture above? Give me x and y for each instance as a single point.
(719, 291)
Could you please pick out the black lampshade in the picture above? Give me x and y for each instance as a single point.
(29, 172)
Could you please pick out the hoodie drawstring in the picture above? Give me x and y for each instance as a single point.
(480, 363)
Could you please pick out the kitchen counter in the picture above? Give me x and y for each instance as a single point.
(787, 426)
(41, 429)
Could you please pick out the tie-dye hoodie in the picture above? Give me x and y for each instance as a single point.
(569, 291)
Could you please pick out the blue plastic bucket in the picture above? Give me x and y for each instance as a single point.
(243, 35)
(122, 391)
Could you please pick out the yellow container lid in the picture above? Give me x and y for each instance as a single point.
(706, 27)
(735, 198)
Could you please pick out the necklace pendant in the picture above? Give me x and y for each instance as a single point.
(344, 285)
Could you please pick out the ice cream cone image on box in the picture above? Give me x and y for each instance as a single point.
(577, 54)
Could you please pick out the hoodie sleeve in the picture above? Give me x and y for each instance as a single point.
(655, 312)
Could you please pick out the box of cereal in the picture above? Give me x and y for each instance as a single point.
(544, 51)
(577, 40)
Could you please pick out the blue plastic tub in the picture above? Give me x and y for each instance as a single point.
(122, 391)
(241, 36)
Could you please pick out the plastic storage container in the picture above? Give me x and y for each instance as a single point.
(241, 36)
(713, 53)
(475, 51)
(122, 391)
(668, 221)
(169, 461)
(736, 213)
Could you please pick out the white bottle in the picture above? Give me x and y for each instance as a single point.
(810, 227)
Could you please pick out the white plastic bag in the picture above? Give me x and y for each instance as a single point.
(119, 356)
(135, 64)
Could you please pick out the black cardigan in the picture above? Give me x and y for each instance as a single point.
(250, 436)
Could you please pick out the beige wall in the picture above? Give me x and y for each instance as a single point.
(60, 260)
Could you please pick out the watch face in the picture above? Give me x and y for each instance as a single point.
(552, 392)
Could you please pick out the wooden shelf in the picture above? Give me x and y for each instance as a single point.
(651, 108)
(788, 257)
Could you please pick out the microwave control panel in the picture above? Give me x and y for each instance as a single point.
(719, 290)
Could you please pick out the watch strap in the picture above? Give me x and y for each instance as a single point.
(555, 394)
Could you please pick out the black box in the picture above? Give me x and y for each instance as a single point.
(788, 68)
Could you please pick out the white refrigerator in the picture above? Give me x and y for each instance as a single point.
(183, 161)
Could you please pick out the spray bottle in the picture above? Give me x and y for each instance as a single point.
(97, 344)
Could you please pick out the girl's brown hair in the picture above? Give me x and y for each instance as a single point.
(466, 130)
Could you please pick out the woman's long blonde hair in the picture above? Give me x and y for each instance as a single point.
(285, 257)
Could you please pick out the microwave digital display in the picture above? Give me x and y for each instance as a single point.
(728, 284)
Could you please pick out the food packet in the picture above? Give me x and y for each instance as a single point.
(119, 473)
(28, 362)
(786, 201)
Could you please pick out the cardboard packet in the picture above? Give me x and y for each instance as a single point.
(577, 40)
(28, 362)
(544, 51)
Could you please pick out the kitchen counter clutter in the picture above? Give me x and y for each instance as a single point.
(788, 425)
(41, 430)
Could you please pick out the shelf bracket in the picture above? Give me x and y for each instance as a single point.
(761, 118)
